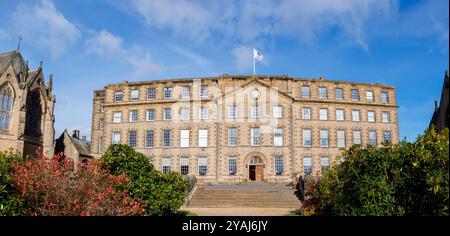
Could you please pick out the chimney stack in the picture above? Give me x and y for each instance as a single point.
(76, 134)
(83, 138)
(435, 105)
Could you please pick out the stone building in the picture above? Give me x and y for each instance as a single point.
(73, 147)
(243, 128)
(441, 114)
(26, 107)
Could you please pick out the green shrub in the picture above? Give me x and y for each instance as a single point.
(403, 179)
(161, 194)
(11, 204)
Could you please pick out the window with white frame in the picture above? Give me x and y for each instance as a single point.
(373, 137)
(387, 136)
(369, 96)
(149, 139)
(133, 116)
(185, 113)
(339, 93)
(340, 138)
(232, 136)
(305, 92)
(278, 137)
(117, 117)
(185, 92)
(203, 113)
(134, 95)
(323, 114)
(307, 165)
(166, 165)
(279, 168)
(203, 138)
(202, 165)
(323, 138)
(204, 91)
(306, 113)
(232, 165)
(167, 114)
(357, 137)
(370, 116)
(100, 124)
(118, 96)
(340, 115)
(168, 93)
(277, 111)
(355, 94)
(255, 111)
(167, 138)
(100, 145)
(115, 137)
(307, 140)
(151, 93)
(255, 136)
(384, 97)
(385, 116)
(232, 112)
(355, 115)
(150, 114)
(184, 138)
(325, 163)
(132, 138)
(184, 165)
(323, 92)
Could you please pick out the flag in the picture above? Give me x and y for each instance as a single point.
(257, 55)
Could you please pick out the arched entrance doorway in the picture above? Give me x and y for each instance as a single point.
(255, 169)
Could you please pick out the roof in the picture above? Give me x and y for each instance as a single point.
(15, 59)
(81, 146)
(245, 77)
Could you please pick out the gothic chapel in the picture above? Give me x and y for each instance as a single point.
(26, 107)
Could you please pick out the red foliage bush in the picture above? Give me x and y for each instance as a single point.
(52, 187)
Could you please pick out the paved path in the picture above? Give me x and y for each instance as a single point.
(239, 211)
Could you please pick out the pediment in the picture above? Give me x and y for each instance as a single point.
(247, 89)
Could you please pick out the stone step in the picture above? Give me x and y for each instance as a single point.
(266, 196)
(244, 198)
(244, 204)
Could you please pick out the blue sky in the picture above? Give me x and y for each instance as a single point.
(87, 44)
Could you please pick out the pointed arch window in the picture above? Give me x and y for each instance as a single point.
(34, 114)
(6, 104)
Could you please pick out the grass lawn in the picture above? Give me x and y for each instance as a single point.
(185, 213)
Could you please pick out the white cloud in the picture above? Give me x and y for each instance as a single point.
(3, 34)
(246, 21)
(243, 58)
(106, 44)
(44, 25)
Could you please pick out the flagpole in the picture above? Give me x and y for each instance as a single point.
(254, 67)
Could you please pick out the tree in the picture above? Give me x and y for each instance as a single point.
(161, 194)
(51, 187)
(402, 179)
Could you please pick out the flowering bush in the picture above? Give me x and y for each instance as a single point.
(51, 187)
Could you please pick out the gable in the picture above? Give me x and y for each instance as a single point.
(265, 93)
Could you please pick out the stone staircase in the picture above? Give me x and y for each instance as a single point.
(245, 195)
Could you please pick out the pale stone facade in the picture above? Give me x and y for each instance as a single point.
(26, 107)
(289, 142)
